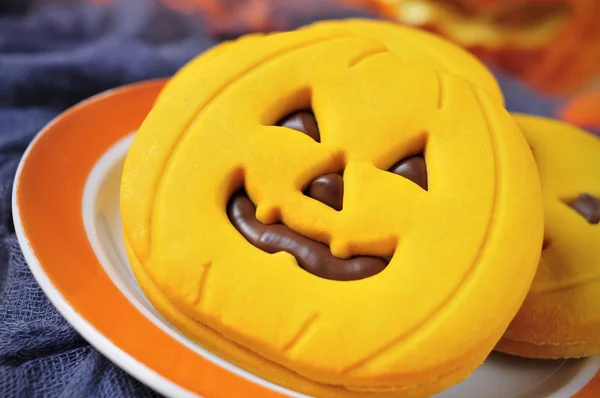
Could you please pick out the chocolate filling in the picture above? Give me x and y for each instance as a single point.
(588, 206)
(303, 121)
(328, 189)
(313, 256)
(414, 168)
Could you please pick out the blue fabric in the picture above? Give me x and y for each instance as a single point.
(51, 57)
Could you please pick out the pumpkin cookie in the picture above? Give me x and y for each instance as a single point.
(333, 214)
(561, 315)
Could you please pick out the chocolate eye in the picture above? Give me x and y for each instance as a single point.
(303, 121)
(588, 206)
(413, 168)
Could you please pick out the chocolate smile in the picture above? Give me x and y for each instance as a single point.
(313, 256)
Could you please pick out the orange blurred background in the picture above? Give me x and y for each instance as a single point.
(551, 45)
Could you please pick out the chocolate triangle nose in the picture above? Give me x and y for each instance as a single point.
(327, 189)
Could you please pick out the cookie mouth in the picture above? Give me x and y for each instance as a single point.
(314, 257)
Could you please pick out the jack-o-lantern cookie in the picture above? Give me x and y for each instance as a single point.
(561, 315)
(332, 216)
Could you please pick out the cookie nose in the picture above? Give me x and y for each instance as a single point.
(328, 189)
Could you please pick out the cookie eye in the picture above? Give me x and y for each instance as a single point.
(413, 168)
(588, 206)
(327, 189)
(303, 121)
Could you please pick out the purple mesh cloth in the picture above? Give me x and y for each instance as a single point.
(51, 57)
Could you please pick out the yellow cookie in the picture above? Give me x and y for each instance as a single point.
(334, 216)
(421, 48)
(561, 315)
